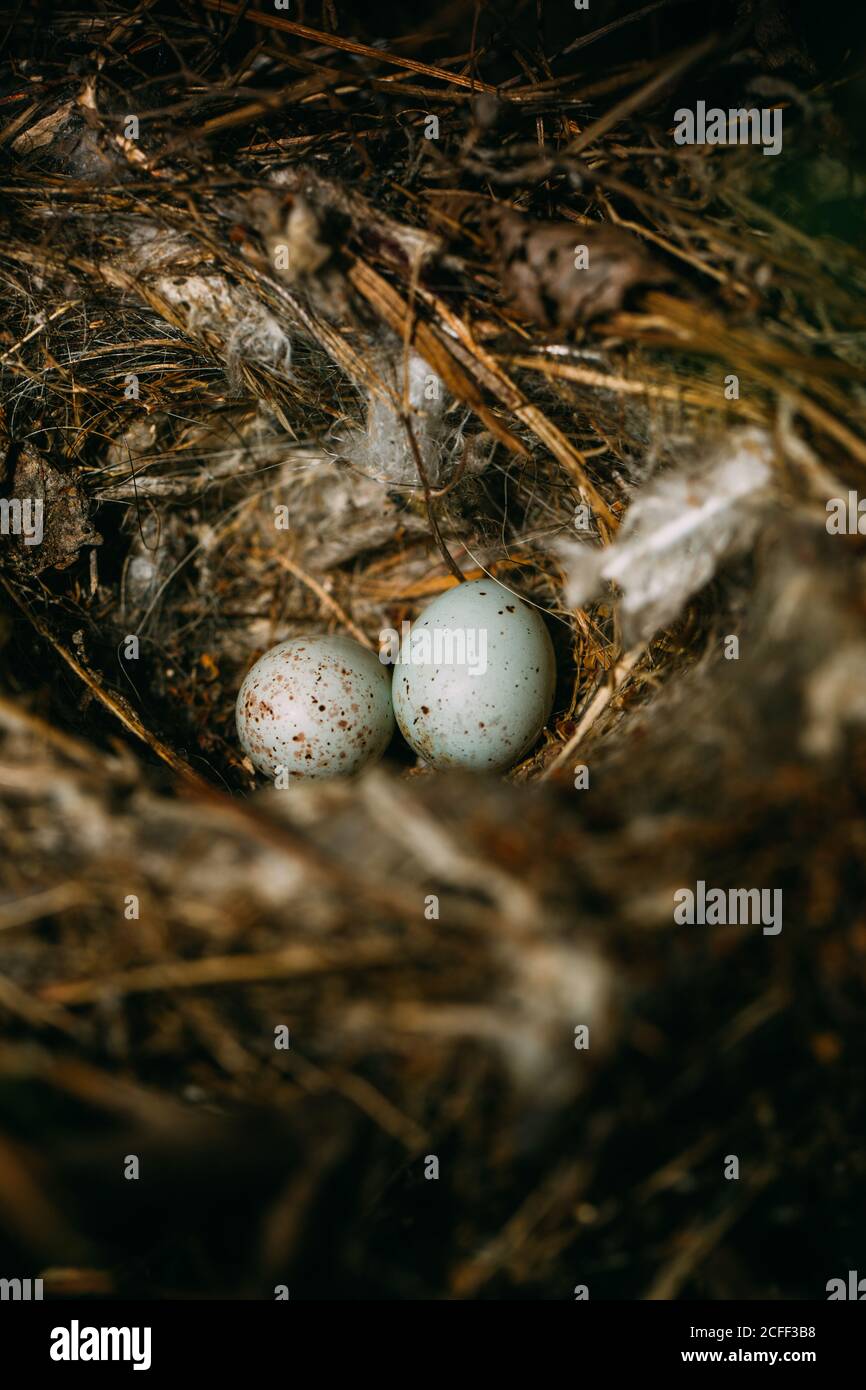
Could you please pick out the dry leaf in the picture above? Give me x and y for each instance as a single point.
(561, 273)
(56, 512)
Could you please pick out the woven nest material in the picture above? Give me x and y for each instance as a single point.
(306, 318)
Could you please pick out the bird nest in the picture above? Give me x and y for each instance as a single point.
(304, 325)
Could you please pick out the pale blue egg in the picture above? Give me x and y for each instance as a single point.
(316, 707)
(473, 684)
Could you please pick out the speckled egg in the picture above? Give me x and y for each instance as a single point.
(316, 706)
(474, 681)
